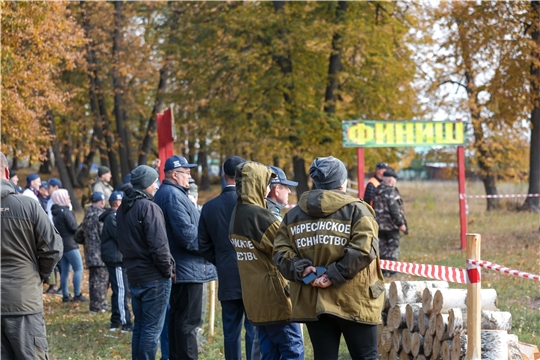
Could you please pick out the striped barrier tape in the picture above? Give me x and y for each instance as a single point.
(436, 272)
(504, 270)
(501, 196)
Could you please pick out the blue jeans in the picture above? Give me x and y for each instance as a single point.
(281, 342)
(149, 302)
(164, 337)
(71, 259)
(232, 313)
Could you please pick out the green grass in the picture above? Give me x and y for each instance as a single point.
(508, 238)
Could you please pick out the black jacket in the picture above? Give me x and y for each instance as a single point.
(110, 253)
(215, 246)
(66, 224)
(142, 239)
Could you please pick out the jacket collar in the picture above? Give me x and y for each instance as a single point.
(6, 188)
(228, 189)
(169, 182)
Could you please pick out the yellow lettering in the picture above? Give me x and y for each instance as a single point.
(439, 138)
(457, 137)
(382, 131)
(360, 133)
(410, 133)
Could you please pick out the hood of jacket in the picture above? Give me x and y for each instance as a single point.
(105, 214)
(133, 195)
(6, 188)
(321, 203)
(252, 180)
(57, 209)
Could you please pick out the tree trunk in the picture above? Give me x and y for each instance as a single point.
(203, 162)
(67, 154)
(61, 165)
(300, 176)
(15, 163)
(107, 132)
(533, 203)
(118, 84)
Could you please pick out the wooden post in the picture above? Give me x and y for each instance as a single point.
(360, 171)
(462, 199)
(212, 315)
(165, 135)
(474, 300)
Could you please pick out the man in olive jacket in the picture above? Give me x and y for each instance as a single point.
(264, 290)
(332, 230)
(31, 248)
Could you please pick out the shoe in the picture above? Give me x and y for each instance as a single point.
(80, 298)
(114, 328)
(127, 328)
(52, 290)
(67, 299)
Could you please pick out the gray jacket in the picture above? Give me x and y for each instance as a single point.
(31, 247)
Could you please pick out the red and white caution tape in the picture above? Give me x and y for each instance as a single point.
(504, 270)
(436, 272)
(501, 196)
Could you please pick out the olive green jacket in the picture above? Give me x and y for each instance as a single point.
(252, 231)
(332, 229)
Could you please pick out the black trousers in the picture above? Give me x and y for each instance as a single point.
(119, 301)
(325, 336)
(184, 318)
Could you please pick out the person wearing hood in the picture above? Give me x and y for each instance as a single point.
(192, 270)
(65, 222)
(278, 197)
(334, 236)
(98, 280)
(33, 182)
(142, 239)
(31, 247)
(265, 291)
(112, 257)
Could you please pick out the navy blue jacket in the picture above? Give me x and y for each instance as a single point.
(215, 246)
(182, 220)
(110, 253)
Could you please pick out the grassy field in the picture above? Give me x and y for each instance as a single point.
(508, 238)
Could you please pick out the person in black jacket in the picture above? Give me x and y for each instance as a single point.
(65, 222)
(374, 182)
(112, 257)
(142, 239)
(215, 246)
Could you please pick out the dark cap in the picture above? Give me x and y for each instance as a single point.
(102, 170)
(175, 162)
(19, 189)
(97, 196)
(31, 178)
(280, 177)
(390, 173)
(44, 185)
(55, 182)
(115, 196)
(12, 173)
(381, 165)
(229, 166)
(328, 173)
(143, 176)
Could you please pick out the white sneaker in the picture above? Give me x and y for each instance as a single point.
(114, 329)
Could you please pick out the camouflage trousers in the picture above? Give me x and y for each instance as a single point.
(99, 281)
(389, 244)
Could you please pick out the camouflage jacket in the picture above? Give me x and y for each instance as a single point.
(388, 206)
(92, 236)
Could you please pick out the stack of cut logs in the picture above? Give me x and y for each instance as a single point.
(428, 320)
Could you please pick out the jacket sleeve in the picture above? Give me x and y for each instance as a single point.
(286, 259)
(158, 245)
(184, 232)
(48, 243)
(393, 207)
(266, 245)
(370, 191)
(206, 245)
(363, 248)
(71, 222)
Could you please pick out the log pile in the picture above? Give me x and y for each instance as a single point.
(428, 320)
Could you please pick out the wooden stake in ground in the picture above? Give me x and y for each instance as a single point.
(474, 299)
(212, 313)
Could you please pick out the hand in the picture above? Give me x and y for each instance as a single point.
(322, 281)
(309, 269)
(403, 228)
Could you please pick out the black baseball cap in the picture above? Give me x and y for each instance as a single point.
(280, 177)
(390, 173)
(55, 182)
(381, 165)
(229, 166)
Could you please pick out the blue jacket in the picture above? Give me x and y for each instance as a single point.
(182, 220)
(215, 246)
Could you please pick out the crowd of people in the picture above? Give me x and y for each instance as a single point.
(316, 264)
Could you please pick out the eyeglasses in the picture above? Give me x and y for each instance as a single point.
(183, 172)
